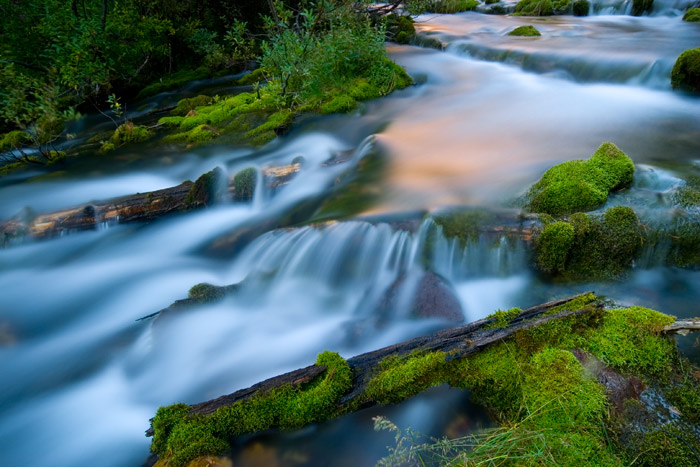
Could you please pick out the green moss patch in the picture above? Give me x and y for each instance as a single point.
(185, 106)
(451, 6)
(400, 29)
(255, 76)
(581, 185)
(685, 74)
(174, 81)
(244, 183)
(124, 134)
(692, 15)
(689, 194)
(181, 437)
(533, 8)
(591, 248)
(501, 319)
(205, 190)
(581, 7)
(526, 31)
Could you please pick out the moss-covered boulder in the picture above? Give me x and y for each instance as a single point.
(581, 185)
(692, 15)
(126, 133)
(526, 31)
(686, 71)
(591, 248)
(639, 7)
(399, 28)
(534, 8)
(244, 183)
(581, 8)
(13, 140)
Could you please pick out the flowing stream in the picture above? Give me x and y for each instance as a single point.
(81, 377)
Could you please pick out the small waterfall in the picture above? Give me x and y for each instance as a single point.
(624, 7)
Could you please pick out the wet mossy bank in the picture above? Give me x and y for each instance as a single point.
(551, 378)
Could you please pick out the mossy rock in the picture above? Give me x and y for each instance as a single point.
(174, 80)
(688, 195)
(244, 183)
(639, 7)
(526, 31)
(692, 15)
(686, 71)
(205, 190)
(186, 106)
(534, 8)
(586, 248)
(400, 29)
(129, 133)
(581, 185)
(581, 7)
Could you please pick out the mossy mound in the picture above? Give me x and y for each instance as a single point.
(692, 15)
(688, 195)
(400, 28)
(126, 133)
(527, 31)
(13, 140)
(451, 6)
(185, 106)
(174, 81)
(685, 74)
(581, 7)
(639, 7)
(180, 437)
(534, 8)
(590, 248)
(205, 190)
(244, 183)
(255, 76)
(581, 185)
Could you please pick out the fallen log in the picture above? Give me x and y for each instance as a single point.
(143, 207)
(334, 386)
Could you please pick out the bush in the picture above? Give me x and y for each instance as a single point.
(581, 7)
(686, 71)
(534, 8)
(451, 6)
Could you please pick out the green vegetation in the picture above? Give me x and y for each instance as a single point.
(462, 224)
(501, 319)
(581, 185)
(688, 195)
(561, 7)
(533, 8)
(205, 190)
(692, 15)
(581, 7)
(552, 409)
(639, 7)
(590, 248)
(685, 74)
(400, 28)
(527, 31)
(126, 133)
(181, 437)
(186, 106)
(244, 183)
(443, 6)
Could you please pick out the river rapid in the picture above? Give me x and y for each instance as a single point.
(489, 114)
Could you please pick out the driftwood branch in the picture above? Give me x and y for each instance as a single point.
(141, 207)
(461, 341)
(683, 326)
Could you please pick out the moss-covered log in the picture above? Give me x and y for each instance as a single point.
(564, 336)
(145, 207)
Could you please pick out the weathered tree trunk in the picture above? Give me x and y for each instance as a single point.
(141, 207)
